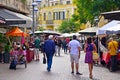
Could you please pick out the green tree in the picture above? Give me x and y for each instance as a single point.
(68, 27)
(89, 9)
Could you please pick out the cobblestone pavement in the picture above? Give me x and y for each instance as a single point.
(61, 70)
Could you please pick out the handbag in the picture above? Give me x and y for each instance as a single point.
(95, 55)
(44, 60)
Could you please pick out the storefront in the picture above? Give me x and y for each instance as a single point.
(9, 20)
(15, 19)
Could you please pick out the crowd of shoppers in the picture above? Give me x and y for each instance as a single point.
(52, 45)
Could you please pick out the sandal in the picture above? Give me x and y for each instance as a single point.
(90, 76)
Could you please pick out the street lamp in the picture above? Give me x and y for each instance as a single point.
(96, 19)
(36, 10)
(34, 4)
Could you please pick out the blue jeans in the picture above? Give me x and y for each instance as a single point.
(49, 60)
(65, 49)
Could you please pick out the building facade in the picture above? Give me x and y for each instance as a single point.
(53, 12)
(15, 5)
(15, 13)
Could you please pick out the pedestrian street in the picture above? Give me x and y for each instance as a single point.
(60, 70)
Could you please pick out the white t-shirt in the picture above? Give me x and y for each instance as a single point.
(74, 44)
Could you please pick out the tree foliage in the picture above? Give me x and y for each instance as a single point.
(68, 27)
(88, 9)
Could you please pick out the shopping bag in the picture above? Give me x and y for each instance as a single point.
(44, 60)
(95, 55)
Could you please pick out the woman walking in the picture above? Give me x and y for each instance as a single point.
(88, 49)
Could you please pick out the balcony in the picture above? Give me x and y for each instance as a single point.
(49, 22)
(66, 19)
(16, 5)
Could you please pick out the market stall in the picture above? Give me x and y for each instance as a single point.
(18, 32)
(112, 29)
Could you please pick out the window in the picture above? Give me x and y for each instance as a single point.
(56, 3)
(52, 4)
(67, 2)
(49, 16)
(56, 15)
(44, 5)
(44, 16)
(59, 15)
(62, 15)
(53, 15)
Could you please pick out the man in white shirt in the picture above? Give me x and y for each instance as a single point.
(74, 48)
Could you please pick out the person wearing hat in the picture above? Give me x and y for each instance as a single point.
(49, 49)
(113, 47)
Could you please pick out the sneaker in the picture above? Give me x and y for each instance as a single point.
(48, 70)
(78, 73)
(72, 72)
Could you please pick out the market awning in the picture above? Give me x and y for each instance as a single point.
(113, 15)
(13, 18)
(103, 29)
(2, 20)
(90, 31)
(47, 32)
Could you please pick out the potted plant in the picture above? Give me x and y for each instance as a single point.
(4, 44)
(6, 53)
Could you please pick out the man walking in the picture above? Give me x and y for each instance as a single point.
(74, 48)
(49, 49)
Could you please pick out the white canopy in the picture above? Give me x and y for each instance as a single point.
(65, 35)
(107, 26)
(38, 32)
(91, 30)
(47, 32)
(69, 34)
(113, 30)
(77, 34)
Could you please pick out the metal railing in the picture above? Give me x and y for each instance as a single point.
(14, 4)
(49, 21)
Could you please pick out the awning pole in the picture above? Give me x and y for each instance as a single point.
(9, 41)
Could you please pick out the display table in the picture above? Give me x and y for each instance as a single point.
(106, 57)
(30, 55)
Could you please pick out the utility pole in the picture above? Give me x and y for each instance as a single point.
(33, 28)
